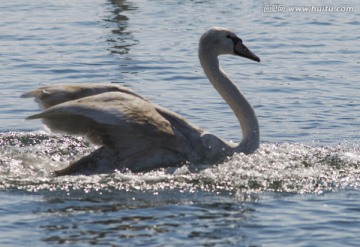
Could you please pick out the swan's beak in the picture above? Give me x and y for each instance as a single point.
(241, 50)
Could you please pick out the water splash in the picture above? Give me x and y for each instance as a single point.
(28, 158)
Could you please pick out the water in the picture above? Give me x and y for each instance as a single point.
(301, 188)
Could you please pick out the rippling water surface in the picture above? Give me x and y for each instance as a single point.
(301, 188)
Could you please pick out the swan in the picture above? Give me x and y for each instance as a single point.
(134, 133)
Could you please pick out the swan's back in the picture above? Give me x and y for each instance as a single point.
(49, 96)
(116, 117)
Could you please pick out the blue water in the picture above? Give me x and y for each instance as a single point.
(301, 188)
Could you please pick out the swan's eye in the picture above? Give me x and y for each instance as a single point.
(234, 39)
(231, 37)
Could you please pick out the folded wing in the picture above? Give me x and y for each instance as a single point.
(116, 119)
(48, 96)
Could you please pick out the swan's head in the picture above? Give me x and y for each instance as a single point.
(219, 41)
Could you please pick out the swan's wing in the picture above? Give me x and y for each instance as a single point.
(48, 96)
(115, 119)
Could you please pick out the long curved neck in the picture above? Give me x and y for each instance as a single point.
(234, 98)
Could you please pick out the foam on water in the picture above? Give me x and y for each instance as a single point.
(28, 158)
